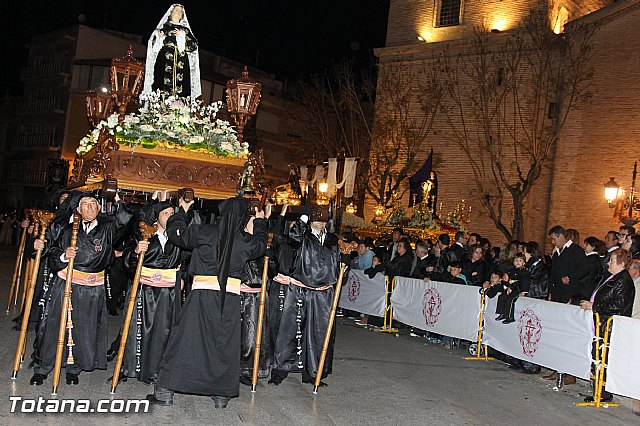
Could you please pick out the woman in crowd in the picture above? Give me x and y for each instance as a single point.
(403, 263)
(475, 269)
(595, 251)
(614, 296)
(538, 270)
(632, 245)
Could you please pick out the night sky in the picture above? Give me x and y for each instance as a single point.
(285, 37)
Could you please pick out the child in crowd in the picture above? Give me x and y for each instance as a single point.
(513, 284)
(376, 266)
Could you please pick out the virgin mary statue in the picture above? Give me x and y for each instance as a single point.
(172, 56)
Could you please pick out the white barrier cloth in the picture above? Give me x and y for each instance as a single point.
(363, 294)
(623, 374)
(443, 308)
(554, 335)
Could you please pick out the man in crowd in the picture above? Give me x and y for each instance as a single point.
(365, 256)
(457, 250)
(396, 236)
(568, 277)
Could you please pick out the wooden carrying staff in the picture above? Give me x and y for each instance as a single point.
(17, 271)
(45, 218)
(66, 302)
(263, 299)
(344, 248)
(28, 270)
(147, 232)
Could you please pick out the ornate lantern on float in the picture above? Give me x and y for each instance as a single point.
(126, 80)
(243, 98)
(99, 105)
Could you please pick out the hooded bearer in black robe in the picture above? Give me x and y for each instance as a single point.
(307, 304)
(93, 254)
(203, 353)
(154, 311)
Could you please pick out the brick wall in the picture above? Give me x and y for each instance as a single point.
(599, 140)
(602, 139)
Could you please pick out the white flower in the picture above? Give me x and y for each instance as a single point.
(147, 128)
(196, 139)
(112, 121)
(217, 131)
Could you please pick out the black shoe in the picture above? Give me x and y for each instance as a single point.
(246, 381)
(220, 401)
(111, 355)
(155, 401)
(275, 380)
(312, 380)
(500, 317)
(37, 379)
(121, 379)
(72, 379)
(607, 398)
(508, 321)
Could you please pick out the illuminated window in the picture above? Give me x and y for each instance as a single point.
(448, 13)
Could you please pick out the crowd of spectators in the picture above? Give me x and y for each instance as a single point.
(602, 276)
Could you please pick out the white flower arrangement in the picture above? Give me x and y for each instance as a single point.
(173, 122)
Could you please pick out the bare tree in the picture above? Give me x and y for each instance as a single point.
(400, 130)
(339, 117)
(510, 95)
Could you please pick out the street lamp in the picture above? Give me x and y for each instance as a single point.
(351, 208)
(611, 191)
(243, 98)
(99, 105)
(126, 80)
(323, 188)
(627, 207)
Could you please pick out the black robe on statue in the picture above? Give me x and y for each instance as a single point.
(171, 73)
(202, 356)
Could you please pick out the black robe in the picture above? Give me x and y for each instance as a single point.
(305, 314)
(203, 353)
(153, 314)
(89, 311)
(171, 72)
(249, 310)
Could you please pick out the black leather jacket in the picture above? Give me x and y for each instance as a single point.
(615, 297)
(539, 279)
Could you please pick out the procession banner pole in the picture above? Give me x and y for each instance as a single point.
(45, 218)
(66, 302)
(479, 357)
(263, 298)
(327, 335)
(17, 271)
(388, 311)
(147, 232)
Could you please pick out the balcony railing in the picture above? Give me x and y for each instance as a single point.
(45, 70)
(38, 105)
(27, 177)
(38, 141)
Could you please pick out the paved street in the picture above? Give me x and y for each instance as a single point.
(377, 379)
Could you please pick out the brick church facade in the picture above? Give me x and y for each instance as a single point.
(599, 138)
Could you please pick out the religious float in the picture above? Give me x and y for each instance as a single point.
(151, 132)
